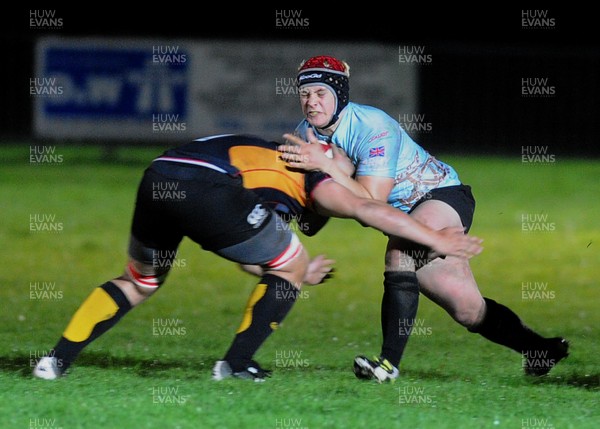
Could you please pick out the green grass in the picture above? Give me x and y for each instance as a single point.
(449, 377)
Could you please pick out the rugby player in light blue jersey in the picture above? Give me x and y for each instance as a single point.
(375, 158)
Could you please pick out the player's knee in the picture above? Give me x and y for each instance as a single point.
(133, 291)
(300, 267)
(146, 278)
(148, 267)
(290, 264)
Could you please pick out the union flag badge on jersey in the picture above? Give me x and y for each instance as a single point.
(377, 151)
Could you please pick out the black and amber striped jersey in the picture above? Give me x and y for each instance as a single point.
(258, 163)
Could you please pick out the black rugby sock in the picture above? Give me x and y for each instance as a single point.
(502, 326)
(398, 311)
(269, 303)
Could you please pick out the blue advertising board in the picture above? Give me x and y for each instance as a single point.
(109, 89)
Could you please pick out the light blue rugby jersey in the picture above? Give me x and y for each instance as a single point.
(378, 146)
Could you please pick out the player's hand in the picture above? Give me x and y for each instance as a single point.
(308, 156)
(319, 269)
(454, 242)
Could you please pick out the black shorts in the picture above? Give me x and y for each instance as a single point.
(213, 209)
(459, 197)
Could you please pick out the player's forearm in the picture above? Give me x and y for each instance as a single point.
(394, 222)
(331, 199)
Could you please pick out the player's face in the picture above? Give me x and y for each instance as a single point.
(318, 105)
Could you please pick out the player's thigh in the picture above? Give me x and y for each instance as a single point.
(155, 235)
(436, 214)
(274, 247)
(449, 278)
(237, 224)
(405, 255)
(448, 281)
(213, 209)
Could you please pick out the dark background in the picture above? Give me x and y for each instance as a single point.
(471, 91)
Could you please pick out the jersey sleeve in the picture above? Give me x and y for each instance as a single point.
(309, 221)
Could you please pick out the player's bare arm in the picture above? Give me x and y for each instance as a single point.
(332, 199)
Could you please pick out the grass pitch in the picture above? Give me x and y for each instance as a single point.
(541, 258)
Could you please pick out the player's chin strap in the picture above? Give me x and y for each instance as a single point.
(334, 119)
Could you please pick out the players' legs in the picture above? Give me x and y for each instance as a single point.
(104, 308)
(450, 283)
(146, 270)
(400, 300)
(399, 306)
(284, 262)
